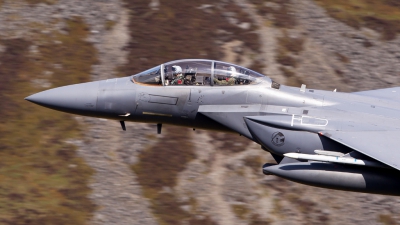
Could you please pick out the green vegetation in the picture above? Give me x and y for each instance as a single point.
(382, 16)
(42, 179)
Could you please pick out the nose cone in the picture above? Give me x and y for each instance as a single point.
(78, 99)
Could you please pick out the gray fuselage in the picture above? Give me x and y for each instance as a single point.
(219, 96)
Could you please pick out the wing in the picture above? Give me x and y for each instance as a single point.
(387, 93)
(380, 145)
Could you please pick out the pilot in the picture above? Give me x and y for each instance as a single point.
(231, 77)
(177, 73)
(190, 76)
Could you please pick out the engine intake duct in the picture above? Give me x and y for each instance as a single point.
(340, 177)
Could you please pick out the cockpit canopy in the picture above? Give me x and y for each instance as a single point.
(199, 72)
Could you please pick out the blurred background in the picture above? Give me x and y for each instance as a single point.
(57, 168)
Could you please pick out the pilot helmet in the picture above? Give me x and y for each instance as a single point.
(176, 70)
(231, 71)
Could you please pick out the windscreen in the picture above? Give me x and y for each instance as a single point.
(151, 76)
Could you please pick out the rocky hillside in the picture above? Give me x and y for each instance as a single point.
(61, 169)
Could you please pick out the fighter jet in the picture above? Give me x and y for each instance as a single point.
(329, 139)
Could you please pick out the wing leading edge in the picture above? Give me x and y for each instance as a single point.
(379, 145)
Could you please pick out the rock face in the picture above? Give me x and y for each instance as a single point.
(360, 54)
(293, 42)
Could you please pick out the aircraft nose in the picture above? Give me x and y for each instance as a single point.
(78, 99)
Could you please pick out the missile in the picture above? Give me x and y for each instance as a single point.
(330, 153)
(335, 159)
(339, 176)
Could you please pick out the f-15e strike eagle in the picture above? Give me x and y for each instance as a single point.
(344, 141)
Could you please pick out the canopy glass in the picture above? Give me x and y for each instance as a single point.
(200, 72)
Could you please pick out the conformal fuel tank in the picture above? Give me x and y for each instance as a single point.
(340, 177)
